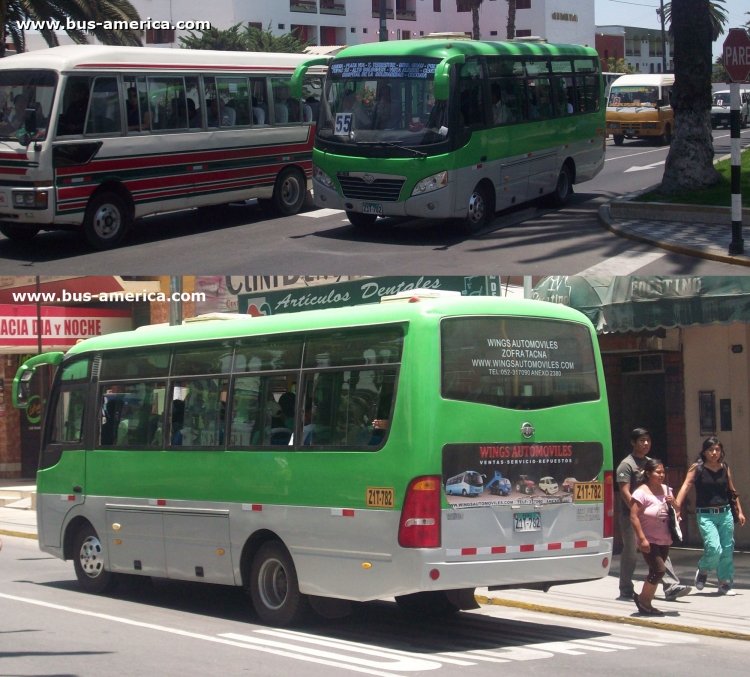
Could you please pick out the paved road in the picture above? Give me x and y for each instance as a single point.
(529, 240)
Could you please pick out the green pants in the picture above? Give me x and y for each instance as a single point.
(717, 532)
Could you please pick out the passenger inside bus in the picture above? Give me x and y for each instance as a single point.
(138, 118)
(71, 121)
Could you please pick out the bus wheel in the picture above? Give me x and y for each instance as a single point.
(563, 188)
(479, 211)
(618, 139)
(107, 220)
(289, 192)
(359, 220)
(88, 561)
(434, 603)
(274, 588)
(17, 232)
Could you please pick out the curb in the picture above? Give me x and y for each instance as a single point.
(18, 534)
(713, 254)
(625, 620)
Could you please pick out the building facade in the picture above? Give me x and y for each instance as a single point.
(349, 22)
(641, 48)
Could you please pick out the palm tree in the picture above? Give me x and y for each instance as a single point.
(718, 17)
(510, 31)
(80, 11)
(689, 164)
(237, 39)
(473, 5)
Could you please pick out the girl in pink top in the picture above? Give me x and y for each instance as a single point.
(650, 519)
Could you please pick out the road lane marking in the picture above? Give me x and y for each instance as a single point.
(320, 213)
(623, 264)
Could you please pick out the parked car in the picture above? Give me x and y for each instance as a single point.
(525, 485)
(548, 485)
(720, 108)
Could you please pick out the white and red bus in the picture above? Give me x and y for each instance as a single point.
(94, 137)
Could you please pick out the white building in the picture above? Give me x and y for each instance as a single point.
(343, 22)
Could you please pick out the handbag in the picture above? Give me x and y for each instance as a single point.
(674, 524)
(733, 495)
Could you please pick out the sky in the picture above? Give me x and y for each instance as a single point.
(642, 13)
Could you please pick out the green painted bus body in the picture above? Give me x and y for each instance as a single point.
(299, 494)
(469, 153)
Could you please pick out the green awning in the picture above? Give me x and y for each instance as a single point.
(633, 303)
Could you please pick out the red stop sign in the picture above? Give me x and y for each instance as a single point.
(736, 54)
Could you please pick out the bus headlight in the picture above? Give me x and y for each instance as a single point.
(30, 199)
(434, 182)
(321, 177)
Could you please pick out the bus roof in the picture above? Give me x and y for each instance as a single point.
(442, 47)
(102, 57)
(654, 79)
(353, 316)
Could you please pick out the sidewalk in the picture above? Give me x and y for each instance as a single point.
(694, 231)
(703, 613)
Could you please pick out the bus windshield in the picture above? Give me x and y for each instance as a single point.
(388, 102)
(637, 96)
(518, 363)
(25, 103)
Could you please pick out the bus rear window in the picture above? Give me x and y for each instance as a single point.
(516, 362)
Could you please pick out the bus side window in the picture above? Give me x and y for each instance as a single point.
(104, 113)
(67, 423)
(75, 103)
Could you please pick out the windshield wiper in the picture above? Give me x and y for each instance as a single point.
(391, 144)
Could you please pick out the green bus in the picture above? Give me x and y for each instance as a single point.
(305, 456)
(455, 128)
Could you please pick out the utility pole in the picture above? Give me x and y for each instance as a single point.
(660, 12)
(175, 305)
(383, 27)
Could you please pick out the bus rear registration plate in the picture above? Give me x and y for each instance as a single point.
(380, 497)
(588, 491)
(372, 208)
(527, 521)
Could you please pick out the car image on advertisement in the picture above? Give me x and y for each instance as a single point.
(525, 485)
(568, 484)
(548, 485)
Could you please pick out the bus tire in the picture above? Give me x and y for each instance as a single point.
(359, 220)
(274, 589)
(563, 187)
(17, 232)
(107, 220)
(619, 139)
(88, 562)
(289, 192)
(433, 603)
(479, 210)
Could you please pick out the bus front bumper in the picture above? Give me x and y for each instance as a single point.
(437, 204)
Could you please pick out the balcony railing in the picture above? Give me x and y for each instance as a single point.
(303, 6)
(331, 7)
(406, 14)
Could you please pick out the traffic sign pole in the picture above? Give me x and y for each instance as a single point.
(736, 56)
(737, 245)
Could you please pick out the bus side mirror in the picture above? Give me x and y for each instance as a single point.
(443, 76)
(22, 389)
(295, 84)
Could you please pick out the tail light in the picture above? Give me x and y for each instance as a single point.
(609, 505)
(420, 517)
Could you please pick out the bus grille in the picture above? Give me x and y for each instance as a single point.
(382, 190)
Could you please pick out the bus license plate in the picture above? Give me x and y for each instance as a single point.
(527, 521)
(588, 491)
(372, 208)
(380, 497)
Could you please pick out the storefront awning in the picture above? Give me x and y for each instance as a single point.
(633, 303)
